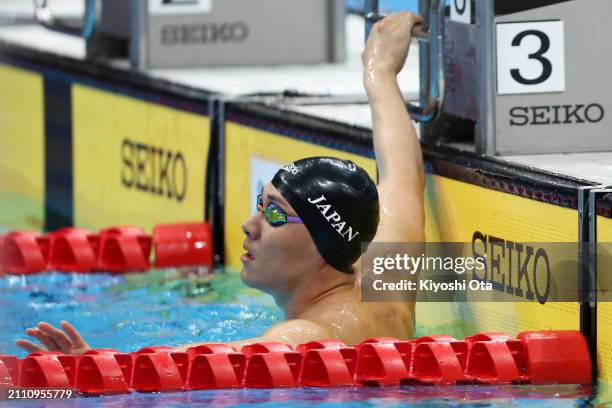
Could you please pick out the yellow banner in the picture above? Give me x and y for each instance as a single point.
(136, 162)
(457, 212)
(604, 309)
(252, 157)
(22, 149)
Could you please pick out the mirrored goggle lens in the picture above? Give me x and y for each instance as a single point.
(274, 215)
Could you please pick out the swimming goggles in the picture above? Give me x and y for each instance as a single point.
(274, 214)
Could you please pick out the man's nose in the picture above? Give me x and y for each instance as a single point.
(251, 227)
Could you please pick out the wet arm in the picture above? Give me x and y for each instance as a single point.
(396, 145)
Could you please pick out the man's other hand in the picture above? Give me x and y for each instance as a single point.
(68, 341)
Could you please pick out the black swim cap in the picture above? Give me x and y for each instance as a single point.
(338, 202)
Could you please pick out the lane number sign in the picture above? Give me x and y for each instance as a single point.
(461, 11)
(530, 57)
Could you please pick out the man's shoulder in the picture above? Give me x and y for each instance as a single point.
(296, 331)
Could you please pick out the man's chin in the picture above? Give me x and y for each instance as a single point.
(245, 278)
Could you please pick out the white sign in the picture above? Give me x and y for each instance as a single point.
(173, 7)
(461, 11)
(530, 57)
(262, 172)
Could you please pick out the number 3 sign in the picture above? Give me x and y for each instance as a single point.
(530, 57)
(461, 11)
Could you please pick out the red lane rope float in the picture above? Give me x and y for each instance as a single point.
(188, 244)
(214, 366)
(9, 371)
(327, 363)
(115, 249)
(271, 365)
(122, 249)
(71, 250)
(2, 238)
(536, 357)
(383, 361)
(23, 252)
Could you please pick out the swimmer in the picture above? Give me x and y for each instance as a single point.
(304, 243)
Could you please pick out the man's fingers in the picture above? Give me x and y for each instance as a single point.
(28, 346)
(74, 335)
(47, 341)
(412, 16)
(413, 21)
(418, 22)
(57, 335)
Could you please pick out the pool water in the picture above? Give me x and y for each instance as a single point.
(172, 307)
(136, 310)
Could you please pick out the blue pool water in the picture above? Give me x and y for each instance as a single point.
(134, 311)
(170, 308)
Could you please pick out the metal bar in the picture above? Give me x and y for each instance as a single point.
(591, 335)
(78, 27)
(431, 56)
(336, 12)
(591, 303)
(370, 11)
(215, 182)
(587, 317)
(485, 127)
(220, 218)
(316, 100)
(139, 51)
(432, 99)
(583, 239)
(424, 58)
(210, 182)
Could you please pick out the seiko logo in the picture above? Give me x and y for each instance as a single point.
(211, 33)
(334, 219)
(517, 269)
(292, 168)
(154, 170)
(556, 114)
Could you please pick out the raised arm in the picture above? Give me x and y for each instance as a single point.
(396, 145)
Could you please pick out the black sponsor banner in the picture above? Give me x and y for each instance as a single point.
(58, 152)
